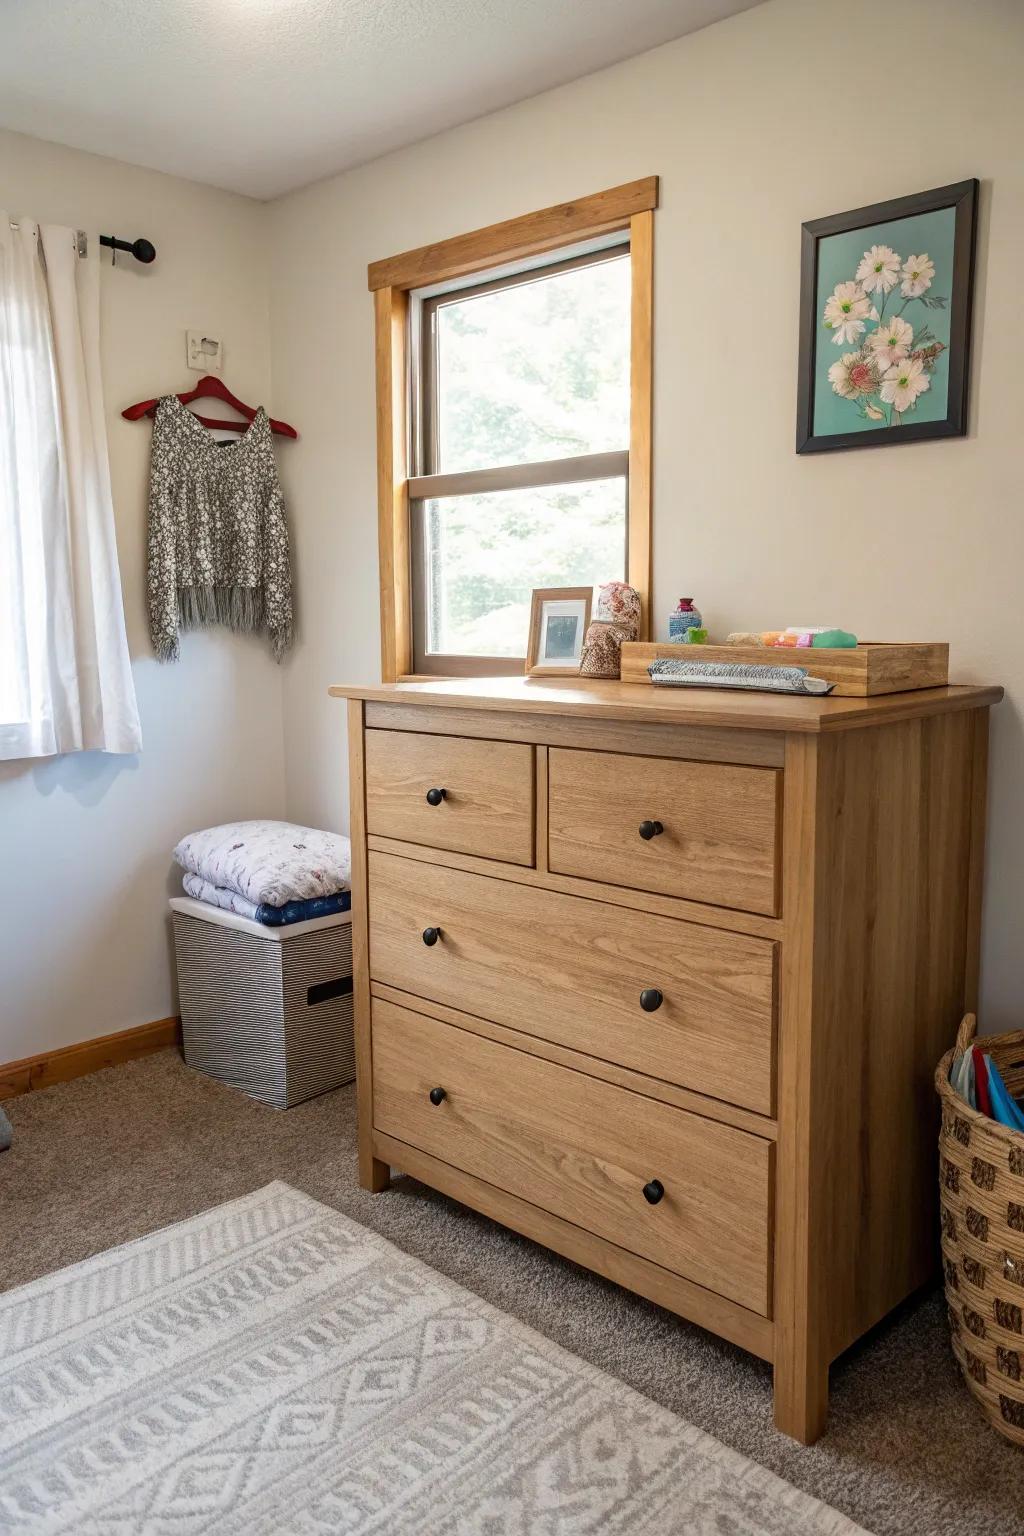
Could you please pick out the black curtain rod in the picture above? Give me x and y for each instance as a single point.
(142, 250)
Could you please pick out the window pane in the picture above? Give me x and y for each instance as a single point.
(484, 554)
(539, 370)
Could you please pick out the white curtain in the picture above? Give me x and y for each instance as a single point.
(65, 678)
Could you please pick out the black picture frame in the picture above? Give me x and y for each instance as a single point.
(963, 197)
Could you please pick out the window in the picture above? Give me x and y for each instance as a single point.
(522, 429)
(513, 415)
(533, 367)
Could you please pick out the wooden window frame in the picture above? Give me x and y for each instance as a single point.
(627, 208)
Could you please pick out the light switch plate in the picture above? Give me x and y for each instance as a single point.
(204, 353)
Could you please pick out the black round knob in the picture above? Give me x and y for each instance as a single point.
(649, 829)
(652, 1191)
(650, 998)
(144, 251)
(438, 1096)
(435, 796)
(431, 935)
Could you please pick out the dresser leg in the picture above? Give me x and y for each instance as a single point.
(373, 1174)
(801, 1399)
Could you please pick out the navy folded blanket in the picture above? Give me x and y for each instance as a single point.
(302, 911)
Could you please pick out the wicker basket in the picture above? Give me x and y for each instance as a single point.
(981, 1188)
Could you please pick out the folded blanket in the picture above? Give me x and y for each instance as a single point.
(268, 862)
(259, 912)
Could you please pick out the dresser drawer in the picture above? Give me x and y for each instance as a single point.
(572, 971)
(581, 1148)
(719, 837)
(487, 802)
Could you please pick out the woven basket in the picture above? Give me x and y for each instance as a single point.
(981, 1188)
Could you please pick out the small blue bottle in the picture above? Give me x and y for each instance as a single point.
(683, 618)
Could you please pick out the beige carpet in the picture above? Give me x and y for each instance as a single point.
(273, 1366)
(131, 1149)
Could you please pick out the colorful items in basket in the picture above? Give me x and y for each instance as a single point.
(272, 872)
(798, 636)
(981, 1189)
(618, 619)
(979, 1082)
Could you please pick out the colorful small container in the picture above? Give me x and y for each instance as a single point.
(683, 618)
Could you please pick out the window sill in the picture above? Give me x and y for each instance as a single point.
(451, 677)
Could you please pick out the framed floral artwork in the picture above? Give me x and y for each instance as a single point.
(885, 321)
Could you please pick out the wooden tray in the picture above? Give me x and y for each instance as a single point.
(861, 670)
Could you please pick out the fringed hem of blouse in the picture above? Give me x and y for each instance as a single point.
(241, 609)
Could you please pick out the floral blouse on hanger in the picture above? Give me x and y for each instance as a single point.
(218, 539)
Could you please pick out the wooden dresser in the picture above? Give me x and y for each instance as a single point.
(660, 979)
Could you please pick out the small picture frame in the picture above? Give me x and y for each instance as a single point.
(558, 623)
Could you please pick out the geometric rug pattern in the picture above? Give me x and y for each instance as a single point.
(272, 1368)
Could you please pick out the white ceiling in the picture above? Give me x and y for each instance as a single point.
(261, 96)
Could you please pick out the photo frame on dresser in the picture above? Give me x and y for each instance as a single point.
(885, 321)
(559, 617)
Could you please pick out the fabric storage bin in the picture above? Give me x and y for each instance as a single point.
(266, 1010)
(981, 1189)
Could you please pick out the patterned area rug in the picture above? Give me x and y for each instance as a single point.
(273, 1367)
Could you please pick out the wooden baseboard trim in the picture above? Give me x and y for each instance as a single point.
(60, 1066)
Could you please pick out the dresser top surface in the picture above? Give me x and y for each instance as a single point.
(593, 699)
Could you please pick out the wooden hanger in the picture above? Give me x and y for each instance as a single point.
(210, 387)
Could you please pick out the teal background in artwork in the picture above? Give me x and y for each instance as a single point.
(838, 259)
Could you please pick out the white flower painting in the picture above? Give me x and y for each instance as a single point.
(918, 272)
(903, 383)
(891, 365)
(886, 293)
(879, 270)
(892, 341)
(846, 312)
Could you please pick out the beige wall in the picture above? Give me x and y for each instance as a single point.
(85, 840)
(796, 109)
